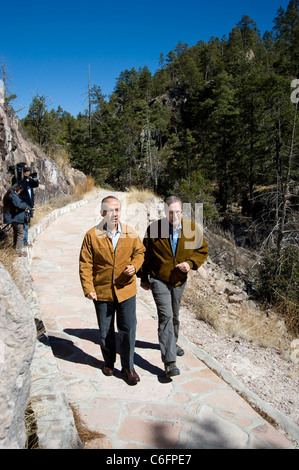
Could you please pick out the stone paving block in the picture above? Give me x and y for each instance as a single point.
(270, 436)
(192, 361)
(207, 374)
(181, 397)
(100, 418)
(72, 322)
(198, 386)
(147, 388)
(229, 400)
(81, 391)
(155, 434)
(212, 431)
(166, 411)
(75, 369)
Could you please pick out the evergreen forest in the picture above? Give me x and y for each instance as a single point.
(216, 124)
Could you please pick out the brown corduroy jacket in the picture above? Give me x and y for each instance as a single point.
(159, 261)
(101, 268)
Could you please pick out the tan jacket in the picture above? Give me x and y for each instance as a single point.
(101, 269)
(159, 261)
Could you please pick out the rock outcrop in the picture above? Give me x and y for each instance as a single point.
(54, 180)
(17, 342)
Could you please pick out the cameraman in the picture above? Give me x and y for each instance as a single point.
(15, 212)
(29, 182)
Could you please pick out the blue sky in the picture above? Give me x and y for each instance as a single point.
(48, 47)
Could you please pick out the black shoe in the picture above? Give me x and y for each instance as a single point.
(179, 351)
(171, 369)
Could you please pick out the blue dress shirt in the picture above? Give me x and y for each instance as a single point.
(174, 236)
(114, 236)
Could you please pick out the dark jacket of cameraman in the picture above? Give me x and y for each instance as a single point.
(14, 208)
(27, 195)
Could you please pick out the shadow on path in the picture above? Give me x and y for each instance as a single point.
(65, 349)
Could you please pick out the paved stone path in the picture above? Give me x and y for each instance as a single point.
(193, 411)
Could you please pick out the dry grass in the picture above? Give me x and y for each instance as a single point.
(86, 188)
(32, 441)
(260, 329)
(61, 158)
(257, 327)
(8, 255)
(84, 432)
(140, 195)
(207, 312)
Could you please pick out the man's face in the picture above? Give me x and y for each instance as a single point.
(111, 212)
(174, 213)
(26, 174)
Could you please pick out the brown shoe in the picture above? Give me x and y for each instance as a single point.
(131, 375)
(107, 371)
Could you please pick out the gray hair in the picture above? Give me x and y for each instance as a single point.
(170, 199)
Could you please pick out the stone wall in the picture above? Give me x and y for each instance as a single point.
(17, 342)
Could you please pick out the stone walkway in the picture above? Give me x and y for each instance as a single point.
(196, 410)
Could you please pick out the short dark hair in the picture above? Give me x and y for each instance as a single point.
(17, 187)
(109, 197)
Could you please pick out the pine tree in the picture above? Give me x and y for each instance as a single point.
(286, 30)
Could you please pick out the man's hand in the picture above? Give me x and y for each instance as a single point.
(184, 267)
(146, 285)
(130, 270)
(92, 296)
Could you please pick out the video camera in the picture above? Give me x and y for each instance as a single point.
(18, 171)
(28, 215)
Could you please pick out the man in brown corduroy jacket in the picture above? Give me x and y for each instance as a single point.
(174, 245)
(110, 256)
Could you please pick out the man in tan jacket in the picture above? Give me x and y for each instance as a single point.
(110, 256)
(174, 245)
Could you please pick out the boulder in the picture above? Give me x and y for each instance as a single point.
(17, 343)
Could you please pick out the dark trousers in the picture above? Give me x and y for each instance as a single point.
(126, 325)
(168, 302)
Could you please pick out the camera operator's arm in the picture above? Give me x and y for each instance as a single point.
(17, 202)
(33, 181)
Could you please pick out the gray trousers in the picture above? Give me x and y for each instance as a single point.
(18, 236)
(168, 302)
